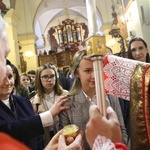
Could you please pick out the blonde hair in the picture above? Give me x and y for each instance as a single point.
(75, 65)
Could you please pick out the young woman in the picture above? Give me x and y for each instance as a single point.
(83, 94)
(48, 91)
(18, 88)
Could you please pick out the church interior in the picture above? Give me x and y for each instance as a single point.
(40, 31)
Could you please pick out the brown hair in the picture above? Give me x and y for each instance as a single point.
(38, 84)
(129, 48)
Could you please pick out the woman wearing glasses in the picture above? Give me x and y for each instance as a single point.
(48, 91)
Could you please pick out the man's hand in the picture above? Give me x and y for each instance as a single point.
(59, 142)
(100, 125)
(75, 145)
(53, 144)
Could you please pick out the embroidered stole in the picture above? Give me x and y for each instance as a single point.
(140, 108)
(130, 80)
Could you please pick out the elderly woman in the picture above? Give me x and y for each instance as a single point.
(17, 117)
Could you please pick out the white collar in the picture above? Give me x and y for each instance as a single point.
(89, 98)
(50, 94)
(6, 102)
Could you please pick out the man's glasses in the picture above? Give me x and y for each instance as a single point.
(46, 77)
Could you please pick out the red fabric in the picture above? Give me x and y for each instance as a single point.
(8, 143)
(120, 146)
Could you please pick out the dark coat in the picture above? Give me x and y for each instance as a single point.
(21, 122)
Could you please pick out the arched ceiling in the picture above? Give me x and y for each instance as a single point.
(37, 15)
(49, 10)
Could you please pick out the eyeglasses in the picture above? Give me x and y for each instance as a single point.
(46, 77)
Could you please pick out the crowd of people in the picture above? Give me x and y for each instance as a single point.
(34, 106)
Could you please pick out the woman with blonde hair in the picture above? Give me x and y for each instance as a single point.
(83, 94)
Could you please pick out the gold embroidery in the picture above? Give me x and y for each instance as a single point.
(139, 138)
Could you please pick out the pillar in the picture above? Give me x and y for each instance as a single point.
(12, 18)
(28, 50)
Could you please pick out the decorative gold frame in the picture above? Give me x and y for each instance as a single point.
(96, 44)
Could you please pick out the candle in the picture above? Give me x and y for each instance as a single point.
(91, 15)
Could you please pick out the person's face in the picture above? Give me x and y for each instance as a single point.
(7, 84)
(32, 78)
(86, 75)
(139, 51)
(48, 79)
(4, 51)
(24, 80)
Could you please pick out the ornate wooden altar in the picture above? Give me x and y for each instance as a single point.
(62, 59)
(67, 35)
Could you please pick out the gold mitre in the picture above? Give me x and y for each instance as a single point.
(95, 45)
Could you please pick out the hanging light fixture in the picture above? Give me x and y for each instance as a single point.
(28, 54)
